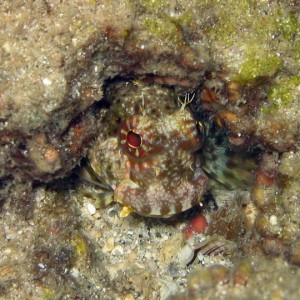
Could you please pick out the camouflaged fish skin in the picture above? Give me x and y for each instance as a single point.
(146, 150)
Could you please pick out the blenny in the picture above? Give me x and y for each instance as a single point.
(146, 156)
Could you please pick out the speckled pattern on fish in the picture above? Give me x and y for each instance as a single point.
(146, 150)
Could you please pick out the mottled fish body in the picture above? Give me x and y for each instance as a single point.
(146, 154)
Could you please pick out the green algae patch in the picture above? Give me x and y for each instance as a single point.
(184, 19)
(282, 94)
(289, 26)
(236, 22)
(295, 52)
(251, 20)
(48, 294)
(80, 245)
(153, 5)
(251, 37)
(258, 65)
(163, 30)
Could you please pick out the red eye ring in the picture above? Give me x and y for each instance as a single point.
(133, 139)
(137, 137)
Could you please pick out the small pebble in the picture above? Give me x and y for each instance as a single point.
(41, 266)
(109, 245)
(118, 250)
(91, 208)
(273, 220)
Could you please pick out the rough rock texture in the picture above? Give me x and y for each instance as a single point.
(54, 60)
(56, 57)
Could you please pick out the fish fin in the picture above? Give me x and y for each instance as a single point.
(87, 173)
(126, 211)
(232, 166)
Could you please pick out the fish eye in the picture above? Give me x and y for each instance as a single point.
(134, 140)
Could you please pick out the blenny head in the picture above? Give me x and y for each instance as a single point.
(161, 154)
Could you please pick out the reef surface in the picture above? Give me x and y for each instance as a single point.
(57, 59)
